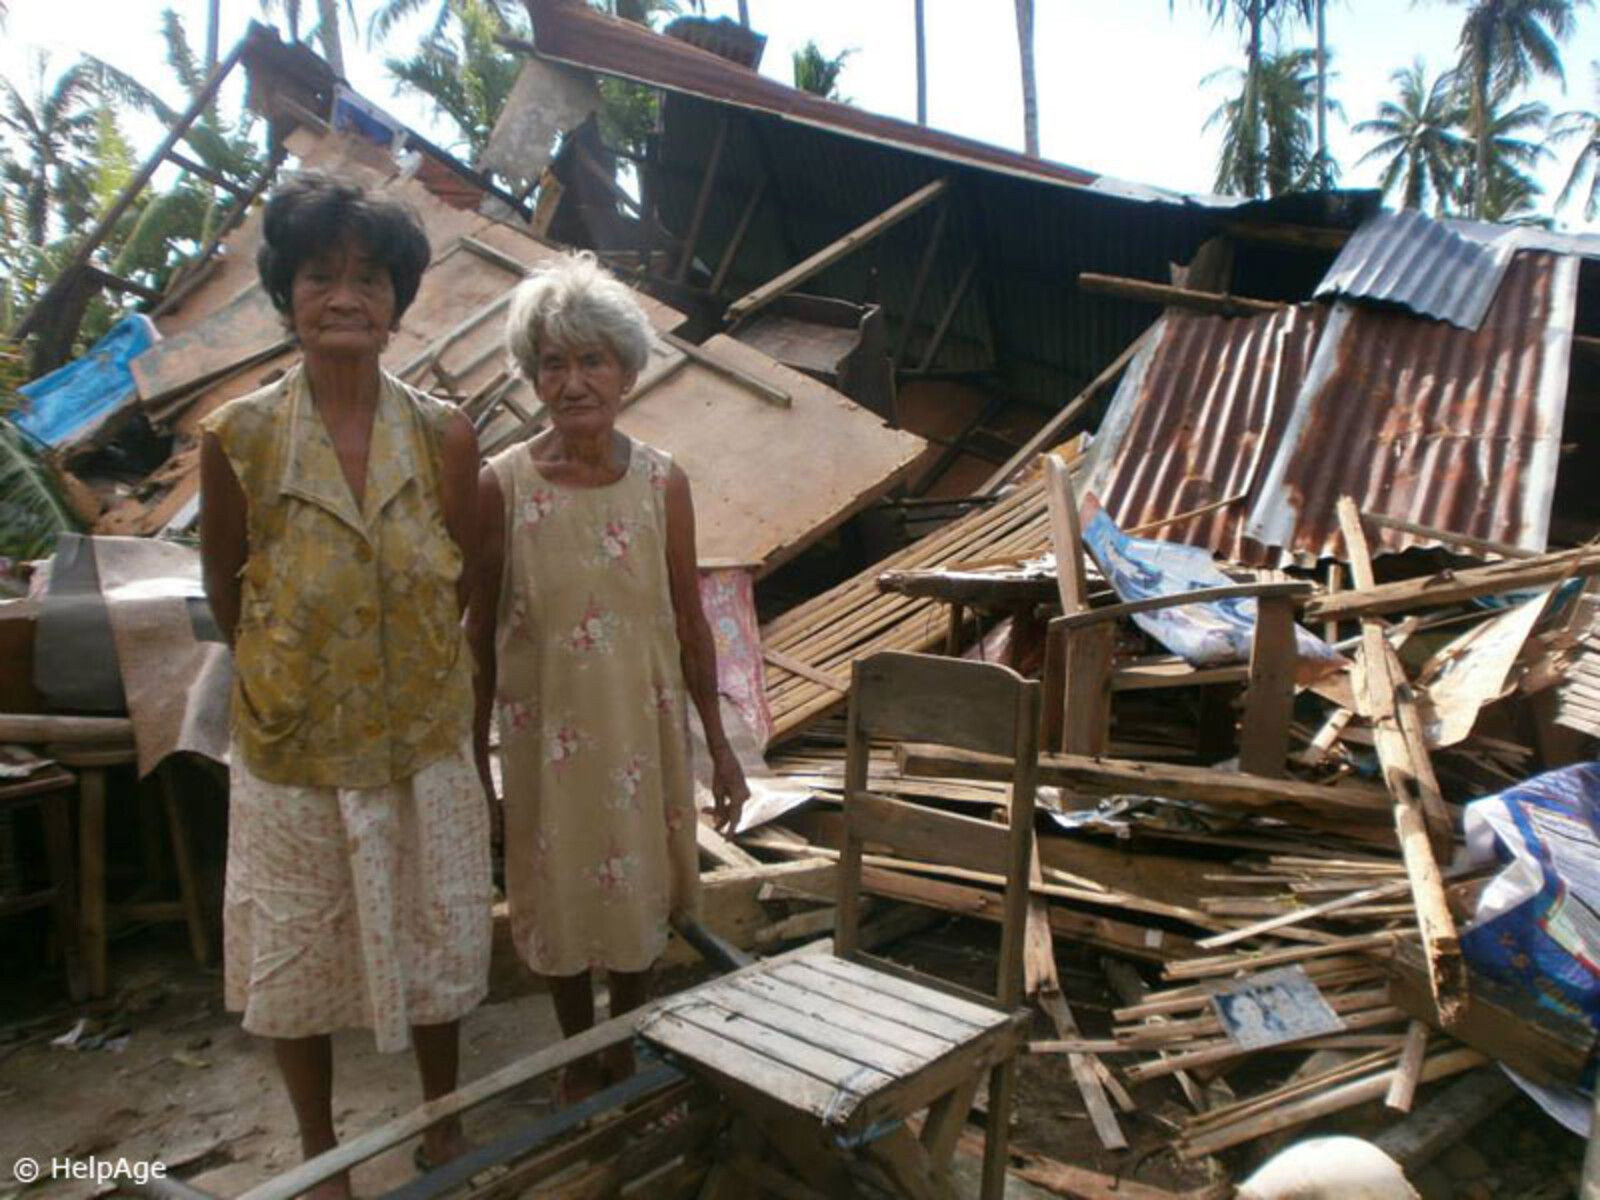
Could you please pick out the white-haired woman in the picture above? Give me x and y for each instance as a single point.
(589, 580)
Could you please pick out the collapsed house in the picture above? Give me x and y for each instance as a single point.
(1356, 443)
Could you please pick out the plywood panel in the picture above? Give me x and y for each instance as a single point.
(768, 480)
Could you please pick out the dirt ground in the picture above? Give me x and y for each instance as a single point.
(175, 1080)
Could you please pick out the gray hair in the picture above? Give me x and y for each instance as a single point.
(576, 302)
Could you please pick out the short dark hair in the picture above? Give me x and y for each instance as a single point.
(310, 214)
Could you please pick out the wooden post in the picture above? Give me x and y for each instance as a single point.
(1381, 692)
(834, 251)
(702, 201)
(930, 254)
(936, 343)
(1264, 740)
(92, 874)
(737, 240)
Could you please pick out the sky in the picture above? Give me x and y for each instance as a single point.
(1120, 81)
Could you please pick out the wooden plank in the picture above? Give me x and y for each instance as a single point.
(1227, 789)
(1166, 294)
(1381, 692)
(1452, 587)
(805, 670)
(922, 832)
(834, 251)
(1311, 912)
(947, 1117)
(886, 1058)
(976, 1016)
(1201, 968)
(871, 1000)
(701, 1010)
(1446, 1118)
(1287, 589)
(1066, 539)
(725, 1058)
(27, 727)
(814, 1011)
(702, 200)
(948, 316)
(1403, 1087)
(1448, 538)
(720, 850)
(731, 251)
(920, 697)
(1086, 715)
(1264, 735)
(930, 252)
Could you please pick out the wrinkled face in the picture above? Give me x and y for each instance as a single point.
(582, 387)
(342, 304)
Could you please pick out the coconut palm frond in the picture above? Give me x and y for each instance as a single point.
(32, 512)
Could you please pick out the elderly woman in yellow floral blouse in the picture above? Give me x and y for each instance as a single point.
(337, 537)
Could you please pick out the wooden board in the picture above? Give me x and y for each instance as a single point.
(768, 481)
(243, 328)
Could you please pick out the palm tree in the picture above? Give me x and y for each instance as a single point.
(1509, 157)
(506, 15)
(1503, 45)
(1584, 124)
(1252, 18)
(1424, 144)
(818, 74)
(1030, 85)
(55, 128)
(1278, 153)
(468, 79)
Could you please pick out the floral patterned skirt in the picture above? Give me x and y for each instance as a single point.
(357, 907)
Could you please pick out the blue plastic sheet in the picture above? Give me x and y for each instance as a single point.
(64, 405)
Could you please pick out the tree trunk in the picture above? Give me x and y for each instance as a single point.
(1255, 184)
(744, 13)
(332, 43)
(1030, 90)
(1480, 134)
(1323, 181)
(922, 62)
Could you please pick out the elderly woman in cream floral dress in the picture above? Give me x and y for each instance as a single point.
(590, 627)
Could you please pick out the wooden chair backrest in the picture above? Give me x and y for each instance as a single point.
(974, 706)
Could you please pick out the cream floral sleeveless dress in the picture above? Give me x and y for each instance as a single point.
(599, 796)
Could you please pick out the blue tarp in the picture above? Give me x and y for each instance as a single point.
(60, 407)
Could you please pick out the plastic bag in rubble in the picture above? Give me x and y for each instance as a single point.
(1537, 927)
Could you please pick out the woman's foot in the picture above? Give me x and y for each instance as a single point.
(337, 1188)
(441, 1144)
(579, 1081)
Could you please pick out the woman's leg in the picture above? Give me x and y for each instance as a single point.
(629, 990)
(573, 996)
(438, 1053)
(306, 1065)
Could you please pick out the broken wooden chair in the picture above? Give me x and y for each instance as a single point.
(1081, 672)
(825, 1057)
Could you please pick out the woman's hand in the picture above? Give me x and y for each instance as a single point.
(728, 789)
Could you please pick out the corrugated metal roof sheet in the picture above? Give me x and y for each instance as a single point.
(1455, 429)
(1407, 259)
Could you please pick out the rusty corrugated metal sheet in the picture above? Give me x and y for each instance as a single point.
(1408, 259)
(1454, 429)
(1196, 420)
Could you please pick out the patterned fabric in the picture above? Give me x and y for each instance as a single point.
(357, 907)
(728, 596)
(599, 797)
(352, 667)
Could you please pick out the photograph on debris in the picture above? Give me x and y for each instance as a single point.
(1118, 717)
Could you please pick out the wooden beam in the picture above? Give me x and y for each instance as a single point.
(1279, 233)
(1167, 295)
(27, 727)
(743, 227)
(1483, 545)
(936, 343)
(201, 171)
(834, 251)
(1419, 812)
(702, 201)
(1052, 430)
(930, 253)
(1359, 803)
(1452, 587)
(744, 379)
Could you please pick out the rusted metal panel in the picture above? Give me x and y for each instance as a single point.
(1281, 414)
(1454, 429)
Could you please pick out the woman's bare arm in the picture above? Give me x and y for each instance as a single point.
(224, 537)
(699, 651)
(482, 614)
(459, 498)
